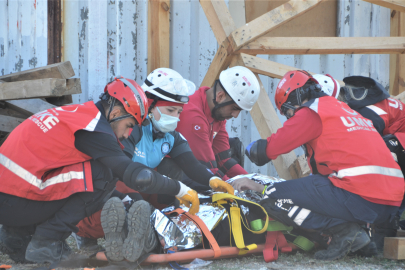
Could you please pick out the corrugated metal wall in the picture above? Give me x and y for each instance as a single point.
(23, 35)
(104, 39)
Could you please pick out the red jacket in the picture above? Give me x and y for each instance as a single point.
(206, 136)
(348, 149)
(393, 114)
(39, 161)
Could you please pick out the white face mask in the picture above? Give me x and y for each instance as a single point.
(166, 122)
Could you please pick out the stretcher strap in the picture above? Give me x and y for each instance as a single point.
(303, 243)
(223, 196)
(274, 241)
(201, 225)
(237, 231)
(274, 225)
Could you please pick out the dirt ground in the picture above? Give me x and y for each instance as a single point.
(298, 260)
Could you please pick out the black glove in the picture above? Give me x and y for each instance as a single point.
(256, 152)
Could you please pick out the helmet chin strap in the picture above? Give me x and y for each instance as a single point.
(112, 99)
(217, 105)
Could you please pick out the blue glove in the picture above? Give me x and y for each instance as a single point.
(256, 152)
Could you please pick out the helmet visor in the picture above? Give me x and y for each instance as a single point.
(177, 89)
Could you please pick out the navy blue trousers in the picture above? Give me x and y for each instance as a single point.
(313, 202)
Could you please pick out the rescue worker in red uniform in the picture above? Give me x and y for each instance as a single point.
(156, 145)
(354, 178)
(62, 165)
(203, 121)
(369, 98)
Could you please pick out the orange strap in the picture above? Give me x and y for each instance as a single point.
(5, 266)
(201, 225)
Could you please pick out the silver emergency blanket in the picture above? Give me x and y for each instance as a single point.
(180, 232)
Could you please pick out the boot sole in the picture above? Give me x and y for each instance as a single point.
(112, 220)
(138, 222)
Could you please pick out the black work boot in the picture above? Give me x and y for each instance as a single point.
(346, 237)
(369, 250)
(86, 244)
(14, 242)
(113, 218)
(46, 250)
(141, 237)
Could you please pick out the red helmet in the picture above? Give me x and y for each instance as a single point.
(131, 95)
(290, 82)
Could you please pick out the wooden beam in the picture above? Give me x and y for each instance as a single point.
(269, 68)
(158, 34)
(62, 70)
(398, 5)
(269, 21)
(220, 62)
(8, 123)
(320, 21)
(394, 248)
(29, 107)
(39, 88)
(325, 45)
(54, 31)
(299, 168)
(397, 62)
(219, 18)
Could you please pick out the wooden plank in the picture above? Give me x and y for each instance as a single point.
(220, 62)
(8, 123)
(39, 88)
(398, 5)
(29, 107)
(269, 68)
(62, 70)
(299, 168)
(269, 21)
(321, 21)
(158, 34)
(325, 45)
(400, 233)
(54, 31)
(394, 248)
(219, 18)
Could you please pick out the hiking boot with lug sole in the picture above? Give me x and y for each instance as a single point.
(113, 218)
(86, 244)
(369, 250)
(346, 237)
(14, 242)
(141, 237)
(46, 250)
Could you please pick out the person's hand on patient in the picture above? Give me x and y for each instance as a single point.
(247, 184)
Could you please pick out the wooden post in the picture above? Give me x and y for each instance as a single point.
(158, 34)
(219, 18)
(397, 62)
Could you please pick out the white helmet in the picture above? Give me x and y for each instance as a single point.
(330, 86)
(169, 85)
(241, 85)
